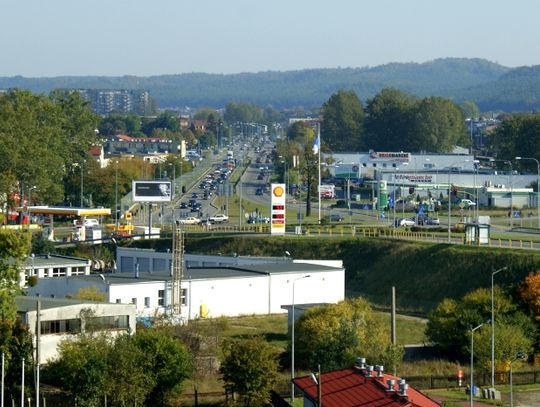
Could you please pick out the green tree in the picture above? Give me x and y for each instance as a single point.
(131, 368)
(389, 120)
(206, 114)
(40, 138)
(169, 362)
(470, 109)
(166, 120)
(334, 335)
(242, 112)
(78, 122)
(81, 369)
(16, 343)
(437, 126)
(343, 120)
(508, 342)
(249, 368)
(518, 136)
(14, 247)
(450, 322)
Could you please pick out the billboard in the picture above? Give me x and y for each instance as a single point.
(151, 191)
(277, 210)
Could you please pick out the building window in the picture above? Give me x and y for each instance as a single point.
(183, 296)
(108, 322)
(134, 300)
(374, 164)
(61, 326)
(147, 302)
(161, 298)
(58, 272)
(118, 301)
(78, 271)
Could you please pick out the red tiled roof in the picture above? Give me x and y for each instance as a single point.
(95, 151)
(351, 388)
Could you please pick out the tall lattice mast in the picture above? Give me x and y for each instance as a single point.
(177, 268)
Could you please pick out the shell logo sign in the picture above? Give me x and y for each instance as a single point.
(278, 191)
(277, 210)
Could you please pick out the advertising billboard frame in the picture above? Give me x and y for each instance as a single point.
(158, 190)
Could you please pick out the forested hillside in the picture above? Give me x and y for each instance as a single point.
(490, 85)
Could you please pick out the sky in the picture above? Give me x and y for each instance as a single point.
(141, 37)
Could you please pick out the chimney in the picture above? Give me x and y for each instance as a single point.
(403, 386)
(379, 369)
(361, 363)
(390, 384)
(369, 370)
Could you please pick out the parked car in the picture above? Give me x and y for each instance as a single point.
(91, 222)
(219, 218)
(183, 205)
(432, 221)
(465, 203)
(190, 220)
(406, 222)
(336, 217)
(260, 177)
(259, 191)
(260, 219)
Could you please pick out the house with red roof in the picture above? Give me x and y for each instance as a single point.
(361, 385)
(98, 154)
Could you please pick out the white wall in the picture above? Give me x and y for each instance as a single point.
(142, 289)
(262, 294)
(49, 342)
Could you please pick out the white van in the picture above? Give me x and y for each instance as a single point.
(89, 222)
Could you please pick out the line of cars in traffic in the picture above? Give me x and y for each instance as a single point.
(419, 220)
(193, 220)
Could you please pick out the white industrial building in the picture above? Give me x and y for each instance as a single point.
(64, 319)
(51, 265)
(211, 291)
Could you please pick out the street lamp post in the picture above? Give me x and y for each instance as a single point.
(394, 199)
(510, 181)
(475, 170)
(471, 389)
(493, 327)
(537, 185)
(401, 194)
(116, 194)
(292, 336)
(450, 201)
(82, 182)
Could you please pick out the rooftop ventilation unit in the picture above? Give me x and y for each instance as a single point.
(379, 369)
(390, 384)
(369, 370)
(361, 363)
(403, 386)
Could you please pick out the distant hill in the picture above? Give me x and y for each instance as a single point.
(490, 85)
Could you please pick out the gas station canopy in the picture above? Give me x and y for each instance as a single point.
(69, 211)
